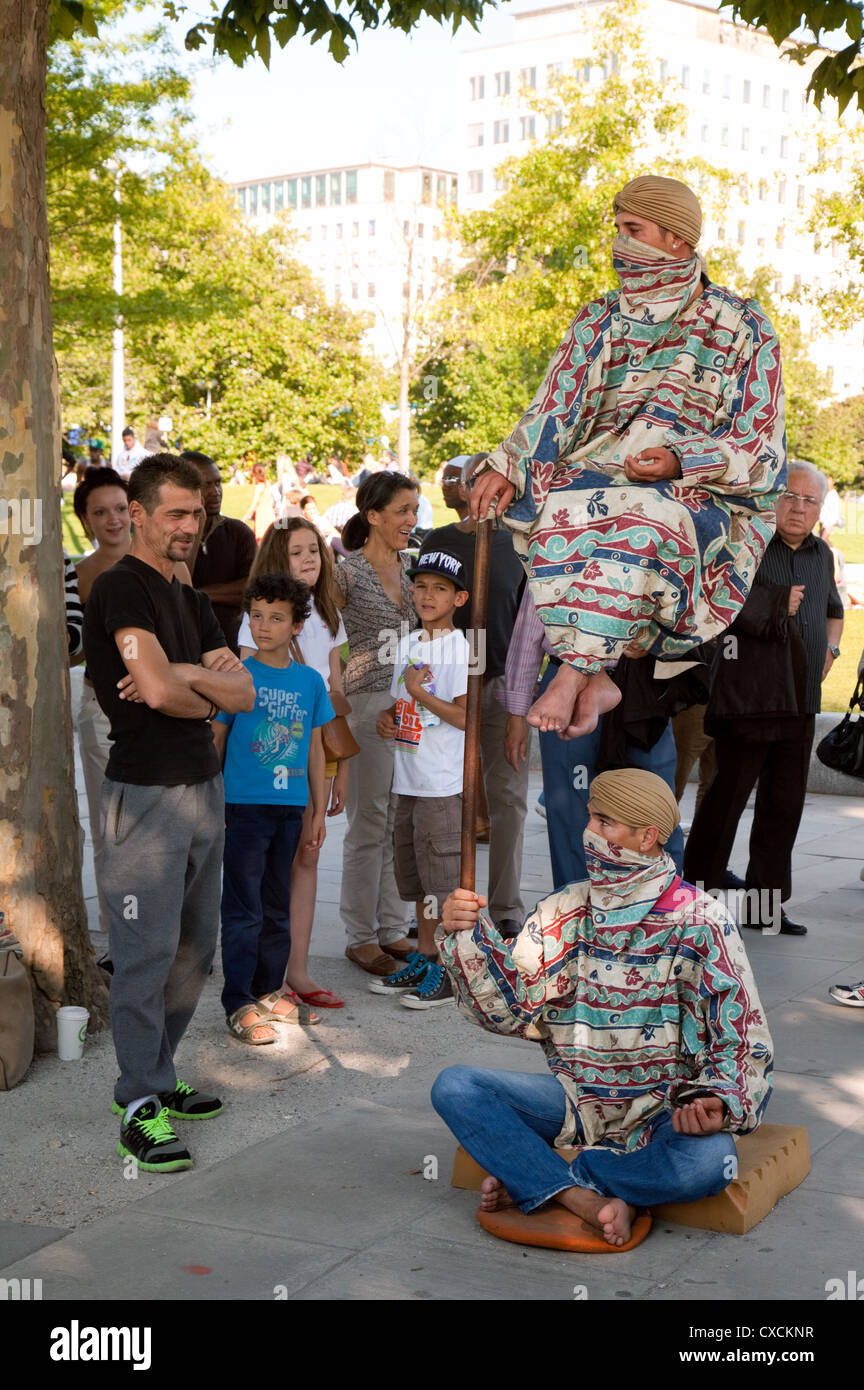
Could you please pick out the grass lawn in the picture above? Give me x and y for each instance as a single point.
(841, 678)
(851, 539)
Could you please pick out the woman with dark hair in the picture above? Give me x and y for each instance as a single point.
(374, 593)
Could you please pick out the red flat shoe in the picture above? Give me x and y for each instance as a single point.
(322, 999)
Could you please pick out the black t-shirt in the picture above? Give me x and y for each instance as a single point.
(149, 749)
(226, 555)
(506, 582)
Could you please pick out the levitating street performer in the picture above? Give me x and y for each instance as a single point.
(646, 467)
(639, 990)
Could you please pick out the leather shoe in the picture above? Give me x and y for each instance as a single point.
(731, 880)
(399, 952)
(788, 928)
(378, 965)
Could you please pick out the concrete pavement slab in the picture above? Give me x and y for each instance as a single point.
(19, 1238)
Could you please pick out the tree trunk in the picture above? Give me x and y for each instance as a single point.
(40, 836)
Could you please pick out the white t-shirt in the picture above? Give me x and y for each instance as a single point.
(428, 760)
(127, 459)
(316, 642)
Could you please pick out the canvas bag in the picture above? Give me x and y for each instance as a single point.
(17, 1022)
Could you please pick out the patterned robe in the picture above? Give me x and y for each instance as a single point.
(627, 1013)
(669, 564)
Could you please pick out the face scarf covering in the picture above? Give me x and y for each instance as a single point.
(654, 286)
(625, 884)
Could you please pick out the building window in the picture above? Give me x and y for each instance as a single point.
(501, 132)
(785, 99)
(323, 231)
(420, 228)
(337, 292)
(441, 188)
(801, 196)
(278, 196)
(721, 233)
(253, 199)
(745, 139)
(778, 284)
(454, 189)
(553, 70)
(355, 228)
(372, 226)
(240, 195)
(745, 92)
(664, 70)
(292, 193)
(705, 135)
(355, 291)
(527, 126)
(475, 135)
(554, 122)
(426, 190)
(763, 190)
(265, 197)
(355, 260)
(320, 190)
(727, 87)
(528, 78)
(389, 186)
(406, 228)
(784, 146)
(335, 189)
(370, 290)
(351, 186)
(744, 188)
(475, 181)
(502, 84)
(781, 191)
(478, 88)
(306, 193)
(338, 231)
(685, 78)
(742, 233)
(781, 236)
(500, 184)
(766, 95)
(724, 135)
(706, 82)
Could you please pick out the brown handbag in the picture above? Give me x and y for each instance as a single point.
(339, 742)
(17, 1027)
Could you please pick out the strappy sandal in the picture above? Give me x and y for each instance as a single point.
(300, 1014)
(246, 1032)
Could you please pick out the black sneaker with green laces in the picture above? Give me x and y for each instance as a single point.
(149, 1139)
(183, 1103)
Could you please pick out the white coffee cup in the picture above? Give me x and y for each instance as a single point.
(71, 1028)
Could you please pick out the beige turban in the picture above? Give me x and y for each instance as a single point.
(635, 797)
(668, 202)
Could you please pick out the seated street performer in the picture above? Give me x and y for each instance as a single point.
(639, 990)
(646, 467)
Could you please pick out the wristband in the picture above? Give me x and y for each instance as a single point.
(213, 711)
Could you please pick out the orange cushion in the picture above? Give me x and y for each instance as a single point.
(555, 1228)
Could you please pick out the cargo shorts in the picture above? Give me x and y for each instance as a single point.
(427, 838)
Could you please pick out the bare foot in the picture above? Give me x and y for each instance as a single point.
(494, 1195)
(610, 1216)
(552, 712)
(599, 695)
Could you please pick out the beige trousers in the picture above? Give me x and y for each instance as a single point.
(370, 904)
(94, 745)
(692, 742)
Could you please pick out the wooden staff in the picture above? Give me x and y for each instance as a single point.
(471, 770)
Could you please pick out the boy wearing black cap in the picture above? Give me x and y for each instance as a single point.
(427, 722)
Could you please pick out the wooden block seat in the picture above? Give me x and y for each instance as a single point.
(771, 1163)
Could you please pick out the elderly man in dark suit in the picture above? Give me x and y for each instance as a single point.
(765, 694)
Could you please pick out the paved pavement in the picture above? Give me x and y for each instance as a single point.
(327, 1176)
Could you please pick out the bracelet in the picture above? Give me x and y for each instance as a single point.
(213, 711)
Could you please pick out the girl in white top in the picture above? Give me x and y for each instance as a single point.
(297, 548)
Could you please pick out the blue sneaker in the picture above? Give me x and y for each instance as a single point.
(434, 989)
(411, 974)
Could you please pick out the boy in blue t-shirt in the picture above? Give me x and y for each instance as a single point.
(274, 760)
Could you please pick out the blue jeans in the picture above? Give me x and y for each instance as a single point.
(567, 805)
(508, 1121)
(260, 844)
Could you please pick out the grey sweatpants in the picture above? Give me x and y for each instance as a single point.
(161, 879)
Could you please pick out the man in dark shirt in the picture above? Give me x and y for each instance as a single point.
(506, 788)
(226, 549)
(765, 693)
(161, 671)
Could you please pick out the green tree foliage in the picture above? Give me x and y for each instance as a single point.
(208, 306)
(543, 248)
(838, 74)
(835, 441)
